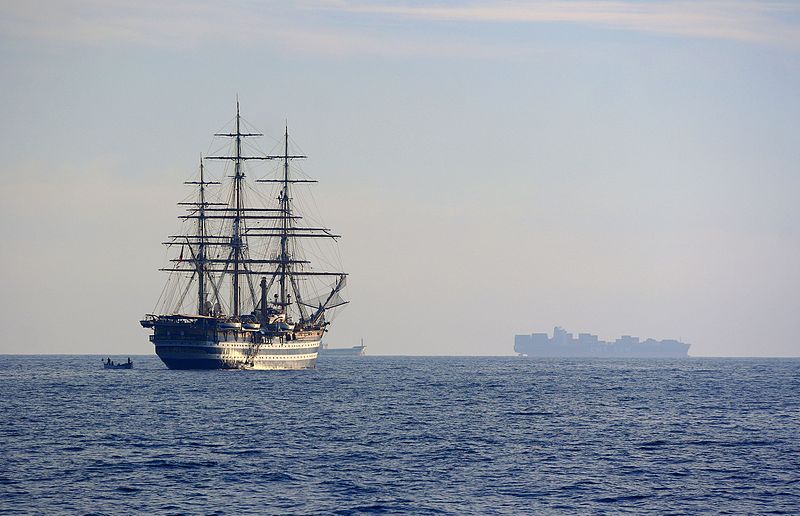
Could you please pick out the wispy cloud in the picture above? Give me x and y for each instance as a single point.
(303, 27)
(762, 22)
(357, 27)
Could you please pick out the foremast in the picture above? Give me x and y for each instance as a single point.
(202, 241)
(199, 242)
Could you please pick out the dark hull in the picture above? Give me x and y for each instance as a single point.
(204, 343)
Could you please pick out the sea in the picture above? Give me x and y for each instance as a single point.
(402, 435)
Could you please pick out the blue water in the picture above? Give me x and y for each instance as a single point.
(402, 435)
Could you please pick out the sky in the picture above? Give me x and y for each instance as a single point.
(612, 167)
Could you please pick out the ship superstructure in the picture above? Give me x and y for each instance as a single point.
(258, 302)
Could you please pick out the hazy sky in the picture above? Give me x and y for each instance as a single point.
(622, 167)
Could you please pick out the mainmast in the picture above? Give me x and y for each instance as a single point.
(236, 238)
(237, 212)
(201, 246)
(286, 210)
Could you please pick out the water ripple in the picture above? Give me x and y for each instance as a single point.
(402, 435)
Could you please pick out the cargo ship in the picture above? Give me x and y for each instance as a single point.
(242, 292)
(354, 351)
(564, 344)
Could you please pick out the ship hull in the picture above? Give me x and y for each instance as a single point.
(197, 345)
(185, 342)
(231, 355)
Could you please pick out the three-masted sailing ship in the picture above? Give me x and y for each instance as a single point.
(257, 303)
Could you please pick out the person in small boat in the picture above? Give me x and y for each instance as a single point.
(129, 360)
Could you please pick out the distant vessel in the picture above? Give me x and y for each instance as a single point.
(233, 323)
(564, 344)
(355, 351)
(110, 364)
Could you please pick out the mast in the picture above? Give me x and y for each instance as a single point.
(201, 246)
(286, 211)
(200, 239)
(236, 238)
(237, 213)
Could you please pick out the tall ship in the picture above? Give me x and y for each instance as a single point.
(564, 344)
(242, 292)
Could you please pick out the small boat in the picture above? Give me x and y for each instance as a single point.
(110, 364)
